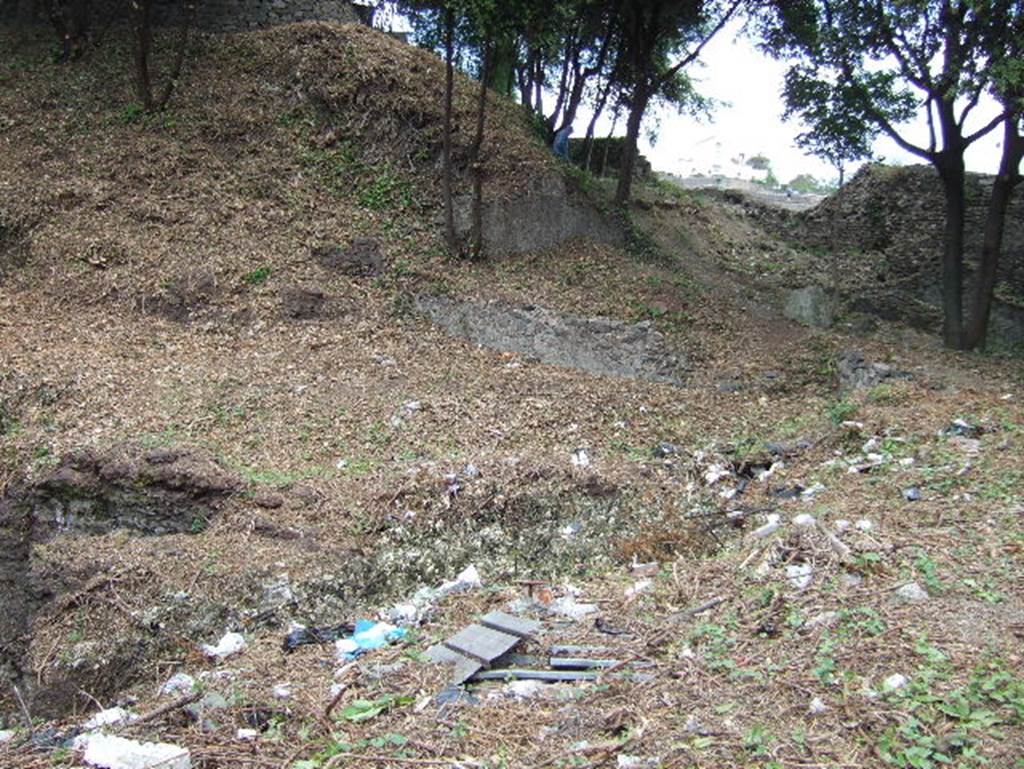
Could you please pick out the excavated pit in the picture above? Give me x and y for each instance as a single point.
(148, 493)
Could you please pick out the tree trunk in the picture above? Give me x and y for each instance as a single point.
(608, 143)
(189, 9)
(951, 170)
(501, 77)
(446, 151)
(627, 162)
(992, 245)
(588, 141)
(143, 28)
(477, 237)
(70, 19)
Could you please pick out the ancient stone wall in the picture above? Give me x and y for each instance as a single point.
(900, 212)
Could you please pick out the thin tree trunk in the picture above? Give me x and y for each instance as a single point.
(995, 225)
(189, 9)
(588, 141)
(628, 160)
(951, 170)
(143, 45)
(608, 143)
(449, 89)
(477, 237)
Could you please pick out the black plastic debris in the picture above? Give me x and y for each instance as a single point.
(305, 636)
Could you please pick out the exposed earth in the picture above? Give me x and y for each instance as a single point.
(242, 387)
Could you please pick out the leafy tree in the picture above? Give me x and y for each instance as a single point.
(863, 67)
(659, 39)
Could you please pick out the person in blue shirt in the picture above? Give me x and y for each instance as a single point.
(561, 144)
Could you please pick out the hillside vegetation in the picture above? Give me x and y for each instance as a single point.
(221, 410)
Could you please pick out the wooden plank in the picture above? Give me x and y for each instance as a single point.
(580, 663)
(482, 643)
(507, 623)
(525, 674)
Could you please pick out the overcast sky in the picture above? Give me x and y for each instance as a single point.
(735, 72)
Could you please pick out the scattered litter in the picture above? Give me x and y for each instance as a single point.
(791, 492)
(665, 449)
(824, 618)
(109, 752)
(644, 569)
(864, 525)
(300, 635)
(471, 471)
(246, 735)
(960, 428)
(817, 707)
(108, 717)
(567, 606)
(969, 446)
(580, 458)
(341, 464)
(522, 690)
(913, 494)
(282, 691)
(842, 525)
(912, 592)
(715, 473)
(179, 683)
(693, 724)
(804, 520)
(569, 531)
(894, 682)
(6, 735)
(467, 579)
(770, 526)
(850, 579)
(367, 635)
(230, 643)
(812, 491)
(626, 761)
(800, 575)
(638, 587)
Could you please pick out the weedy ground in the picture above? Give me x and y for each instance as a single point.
(144, 266)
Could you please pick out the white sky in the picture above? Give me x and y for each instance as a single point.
(735, 72)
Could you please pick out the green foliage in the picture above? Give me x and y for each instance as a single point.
(257, 277)
(364, 710)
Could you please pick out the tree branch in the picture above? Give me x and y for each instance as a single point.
(692, 56)
(987, 128)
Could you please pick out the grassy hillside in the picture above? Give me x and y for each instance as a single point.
(170, 298)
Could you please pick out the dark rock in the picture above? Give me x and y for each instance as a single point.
(856, 373)
(361, 257)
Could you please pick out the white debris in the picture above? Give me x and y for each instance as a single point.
(471, 471)
(341, 464)
(522, 690)
(108, 717)
(179, 683)
(344, 647)
(335, 690)
(907, 461)
(850, 579)
(580, 458)
(842, 525)
(864, 525)
(714, 474)
(812, 491)
(467, 579)
(912, 592)
(282, 691)
(411, 407)
(6, 735)
(109, 752)
(894, 682)
(567, 606)
(770, 526)
(764, 475)
(804, 520)
(246, 735)
(817, 707)
(404, 613)
(230, 643)
(728, 494)
(638, 587)
(800, 575)
(626, 761)
(824, 618)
